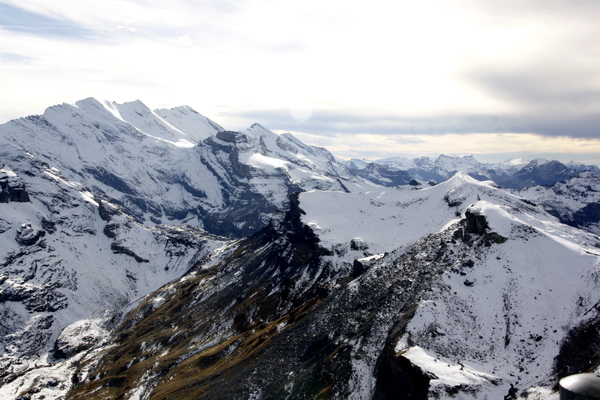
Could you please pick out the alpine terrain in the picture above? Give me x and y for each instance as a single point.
(156, 255)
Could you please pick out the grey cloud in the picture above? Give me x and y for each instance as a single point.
(329, 123)
(541, 87)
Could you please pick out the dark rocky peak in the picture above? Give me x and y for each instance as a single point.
(474, 228)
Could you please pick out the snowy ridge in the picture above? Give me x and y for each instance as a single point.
(385, 219)
(187, 120)
(497, 319)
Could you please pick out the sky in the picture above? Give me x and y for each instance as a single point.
(365, 79)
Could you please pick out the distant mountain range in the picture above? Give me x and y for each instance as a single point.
(154, 254)
(512, 174)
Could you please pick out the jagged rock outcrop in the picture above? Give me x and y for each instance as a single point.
(11, 187)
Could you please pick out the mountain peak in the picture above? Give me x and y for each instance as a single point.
(259, 129)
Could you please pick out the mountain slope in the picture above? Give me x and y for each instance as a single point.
(71, 264)
(459, 295)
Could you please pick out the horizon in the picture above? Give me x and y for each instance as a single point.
(373, 155)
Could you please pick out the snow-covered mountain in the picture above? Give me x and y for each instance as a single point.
(354, 281)
(443, 167)
(175, 166)
(514, 174)
(455, 291)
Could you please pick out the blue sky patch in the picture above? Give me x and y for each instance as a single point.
(19, 20)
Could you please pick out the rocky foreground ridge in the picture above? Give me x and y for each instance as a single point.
(153, 254)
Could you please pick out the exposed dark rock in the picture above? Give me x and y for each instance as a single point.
(48, 225)
(358, 269)
(580, 350)
(226, 136)
(120, 249)
(452, 203)
(110, 230)
(34, 299)
(28, 236)
(241, 169)
(45, 300)
(106, 210)
(399, 379)
(358, 244)
(476, 225)
(12, 189)
(587, 215)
